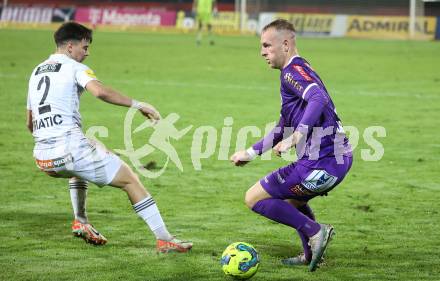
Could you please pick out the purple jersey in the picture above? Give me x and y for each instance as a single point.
(306, 106)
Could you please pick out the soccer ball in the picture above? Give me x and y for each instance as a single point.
(240, 260)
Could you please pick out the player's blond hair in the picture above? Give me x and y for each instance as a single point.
(280, 25)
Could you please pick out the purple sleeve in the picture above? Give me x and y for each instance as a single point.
(316, 102)
(271, 139)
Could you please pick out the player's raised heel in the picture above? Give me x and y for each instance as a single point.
(174, 245)
(87, 232)
(318, 244)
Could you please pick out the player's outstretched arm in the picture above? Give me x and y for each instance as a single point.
(109, 95)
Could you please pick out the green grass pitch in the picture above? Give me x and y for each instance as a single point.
(386, 213)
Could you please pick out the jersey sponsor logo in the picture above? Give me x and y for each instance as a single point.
(289, 78)
(51, 67)
(90, 73)
(47, 122)
(319, 181)
(298, 190)
(302, 72)
(53, 163)
(44, 164)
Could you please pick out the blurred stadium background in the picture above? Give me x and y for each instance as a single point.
(392, 19)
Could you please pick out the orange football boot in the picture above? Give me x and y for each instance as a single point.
(87, 232)
(174, 245)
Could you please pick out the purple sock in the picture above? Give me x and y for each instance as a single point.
(280, 211)
(306, 210)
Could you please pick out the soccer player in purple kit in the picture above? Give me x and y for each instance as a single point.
(308, 122)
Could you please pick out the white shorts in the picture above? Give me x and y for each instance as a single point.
(74, 155)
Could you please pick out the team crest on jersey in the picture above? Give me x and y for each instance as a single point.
(302, 72)
(90, 73)
(289, 78)
(50, 67)
(319, 181)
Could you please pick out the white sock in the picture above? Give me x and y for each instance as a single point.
(78, 196)
(148, 211)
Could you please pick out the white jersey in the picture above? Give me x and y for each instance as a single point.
(55, 87)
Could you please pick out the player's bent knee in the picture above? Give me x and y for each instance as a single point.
(255, 194)
(249, 200)
(251, 197)
(124, 177)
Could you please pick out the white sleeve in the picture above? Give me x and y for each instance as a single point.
(83, 75)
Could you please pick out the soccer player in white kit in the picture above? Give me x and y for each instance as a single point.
(62, 150)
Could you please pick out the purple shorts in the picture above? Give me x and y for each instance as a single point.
(301, 181)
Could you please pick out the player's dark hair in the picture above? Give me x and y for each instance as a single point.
(72, 31)
(280, 25)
